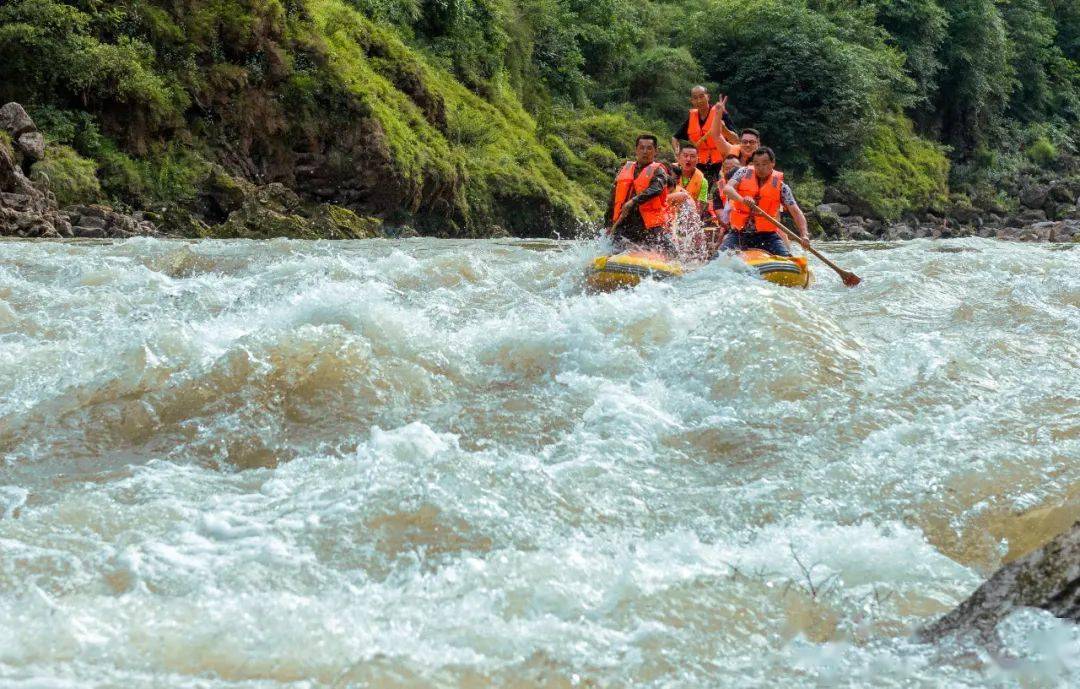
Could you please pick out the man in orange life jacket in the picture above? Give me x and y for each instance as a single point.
(760, 187)
(748, 140)
(638, 207)
(692, 183)
(700, 128)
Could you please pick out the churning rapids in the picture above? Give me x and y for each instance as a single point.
(428, 463)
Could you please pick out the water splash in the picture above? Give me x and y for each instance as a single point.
(422, 463)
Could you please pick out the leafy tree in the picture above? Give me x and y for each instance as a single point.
(657, 80)
(1066, 14)
(49, 45)
(918, 28)
(978, 78)
(790, 72)
(1046, 82)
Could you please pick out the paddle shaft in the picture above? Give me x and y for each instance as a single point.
(850, 279)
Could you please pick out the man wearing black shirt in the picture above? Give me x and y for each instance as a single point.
(697, 129)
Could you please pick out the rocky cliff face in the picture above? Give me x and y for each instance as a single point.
(239, 209)
(25, 210)
(30, 209)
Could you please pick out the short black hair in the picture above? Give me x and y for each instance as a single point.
(750, 131)
(650, 137)
(686, 146)
(764, 151)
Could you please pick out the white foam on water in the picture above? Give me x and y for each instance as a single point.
(423, 463)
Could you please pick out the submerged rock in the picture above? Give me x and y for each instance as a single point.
(1047, 578)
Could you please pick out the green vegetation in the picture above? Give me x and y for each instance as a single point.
(71, 177)
(459, 115)
(898, 172)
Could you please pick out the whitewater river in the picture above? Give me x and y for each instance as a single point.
(428, 463)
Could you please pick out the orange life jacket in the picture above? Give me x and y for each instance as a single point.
(708, 152)
(653, 211)
(768, 197)
(693, 187)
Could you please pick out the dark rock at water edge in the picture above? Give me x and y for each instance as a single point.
(101, 221)
(29, 209)
(274, 210)
(228, 207)
(1048, 578)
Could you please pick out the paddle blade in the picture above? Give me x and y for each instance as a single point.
(850, 279)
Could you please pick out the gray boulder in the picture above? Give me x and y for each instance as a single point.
(15, 121)
(835, 209)
(900, 231)
(1048, 578)
(32, 146)
(1034, 195)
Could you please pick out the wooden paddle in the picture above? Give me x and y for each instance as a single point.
(850, 279)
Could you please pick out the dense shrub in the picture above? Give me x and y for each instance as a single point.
(897, 171)
(52, 48)
(70, 176)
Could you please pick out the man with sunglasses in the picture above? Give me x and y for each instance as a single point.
(749, 141)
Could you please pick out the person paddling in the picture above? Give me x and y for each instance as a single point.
(761, 187)
(699, 129)
(638, 208)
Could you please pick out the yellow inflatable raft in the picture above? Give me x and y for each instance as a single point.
(608, 273)
(789, 271)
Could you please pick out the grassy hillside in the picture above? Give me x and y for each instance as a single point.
(460, 116)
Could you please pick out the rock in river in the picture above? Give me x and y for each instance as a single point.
(1047, 578)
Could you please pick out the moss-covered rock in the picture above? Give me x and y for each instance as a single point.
(334, 222)
(226, 193)
(271, 211)
(68, 175)
(179, 221)
(276, 211)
